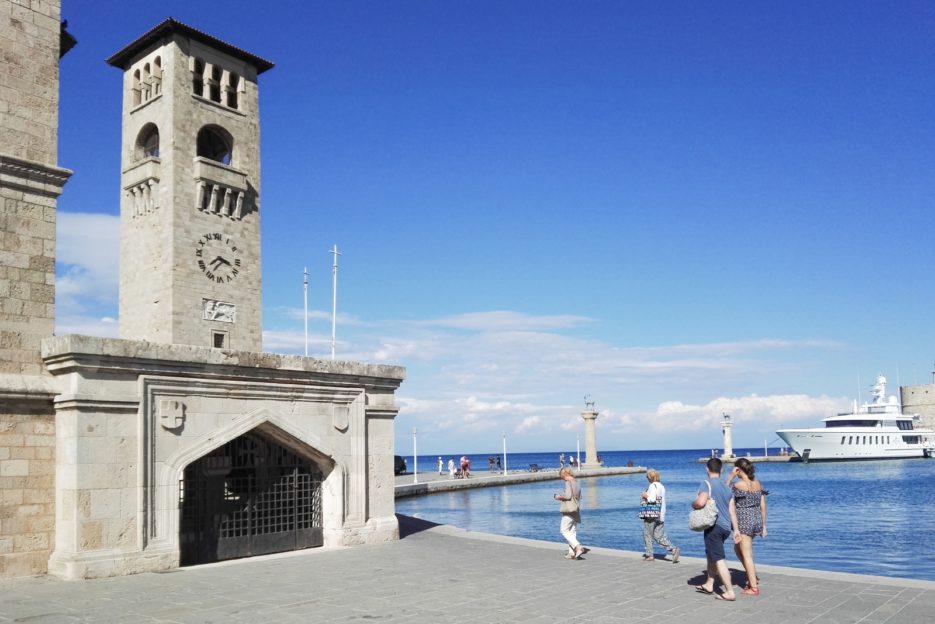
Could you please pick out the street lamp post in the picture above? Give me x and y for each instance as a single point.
(415, 458)
(504, 453)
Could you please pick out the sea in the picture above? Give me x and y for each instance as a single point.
(866, 517)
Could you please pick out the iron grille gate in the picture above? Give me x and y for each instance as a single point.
(248, 497)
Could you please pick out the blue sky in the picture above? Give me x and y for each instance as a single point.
(679, 209)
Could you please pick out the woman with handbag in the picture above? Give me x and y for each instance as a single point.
(748, 515)
(653, 513)
(570, 509)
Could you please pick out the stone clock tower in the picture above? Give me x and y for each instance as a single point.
(190, 184)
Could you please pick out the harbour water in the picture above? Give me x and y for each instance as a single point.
(871, 517)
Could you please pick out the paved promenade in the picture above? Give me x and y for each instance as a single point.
(443, 575)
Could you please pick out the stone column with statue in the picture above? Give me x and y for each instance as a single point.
(590, 435)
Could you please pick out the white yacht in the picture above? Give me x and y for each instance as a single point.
(875, 430)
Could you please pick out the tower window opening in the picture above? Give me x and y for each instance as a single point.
(157, 76)
(146, 83)
(218, 339)
(215, 144)
(198, 78)
(137, 93)
(147, 144)
(233, 84)
(215, 84)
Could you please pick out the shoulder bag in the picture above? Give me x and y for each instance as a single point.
(704, 518)
(651, 511)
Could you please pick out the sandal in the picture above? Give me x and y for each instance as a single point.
(750, 591)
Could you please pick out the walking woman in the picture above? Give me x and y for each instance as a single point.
(653, 530)
(571, 513)
(748, 515)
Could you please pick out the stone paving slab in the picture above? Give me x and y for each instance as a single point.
(441, 574)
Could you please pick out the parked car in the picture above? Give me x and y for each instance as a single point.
(399, 464)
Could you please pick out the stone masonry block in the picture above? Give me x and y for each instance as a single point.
(31, 542)
(14, 468)
(24, 564)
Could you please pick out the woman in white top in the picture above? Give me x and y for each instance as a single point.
(653, 530)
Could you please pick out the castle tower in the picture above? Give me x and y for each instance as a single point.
(190, 183)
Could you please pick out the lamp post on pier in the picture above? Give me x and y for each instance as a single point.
(415, 458)
(504, 453)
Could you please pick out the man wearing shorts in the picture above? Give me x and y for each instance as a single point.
(714, 537)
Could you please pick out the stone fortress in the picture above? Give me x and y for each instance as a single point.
(180, 442)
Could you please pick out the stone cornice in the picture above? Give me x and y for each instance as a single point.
(64, 354)
(31, 176)
(26, 388)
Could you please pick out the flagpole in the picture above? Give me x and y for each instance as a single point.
(305, 292)
(334, 297)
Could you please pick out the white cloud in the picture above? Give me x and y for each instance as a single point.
(753, 411)
(87, 273)
(506, 320)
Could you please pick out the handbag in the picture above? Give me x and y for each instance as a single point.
(650, 510)
(569, 506)
(704, 518)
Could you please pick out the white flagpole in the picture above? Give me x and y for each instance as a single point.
(334, 297)
(305, 285)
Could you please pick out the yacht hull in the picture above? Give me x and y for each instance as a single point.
(853, 444)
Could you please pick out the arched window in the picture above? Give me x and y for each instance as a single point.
(147, 142)
(216, 144)
(233, 84)
(136, 88)
(147, 93)
(157, 76)
(198, 79)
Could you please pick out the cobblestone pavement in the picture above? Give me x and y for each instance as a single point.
(442, 575)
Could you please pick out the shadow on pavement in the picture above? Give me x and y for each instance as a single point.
(409, 525)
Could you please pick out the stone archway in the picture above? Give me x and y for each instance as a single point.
(250, 496)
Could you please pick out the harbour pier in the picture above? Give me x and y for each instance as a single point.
(432, 482)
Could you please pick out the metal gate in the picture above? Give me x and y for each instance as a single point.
(248, 497)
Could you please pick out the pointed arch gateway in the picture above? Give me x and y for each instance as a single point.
(255, 494)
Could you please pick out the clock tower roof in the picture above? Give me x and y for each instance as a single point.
(125, 57)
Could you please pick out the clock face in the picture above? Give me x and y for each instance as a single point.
(217, 257)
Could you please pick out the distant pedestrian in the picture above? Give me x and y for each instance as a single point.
(464, 467)
(571, 513)
(499, 465)
(561, 461)
(440, 468)
(748, 514)
(653, 529)
(715, 536)
(451, 468)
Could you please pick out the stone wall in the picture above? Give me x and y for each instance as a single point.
(30, 183)
(29, 43)
(920, 400)
(27, 488)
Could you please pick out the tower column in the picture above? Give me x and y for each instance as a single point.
(727, 425)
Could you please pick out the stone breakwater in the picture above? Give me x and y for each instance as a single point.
(430, 482)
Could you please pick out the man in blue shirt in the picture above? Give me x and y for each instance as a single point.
(715, 536)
